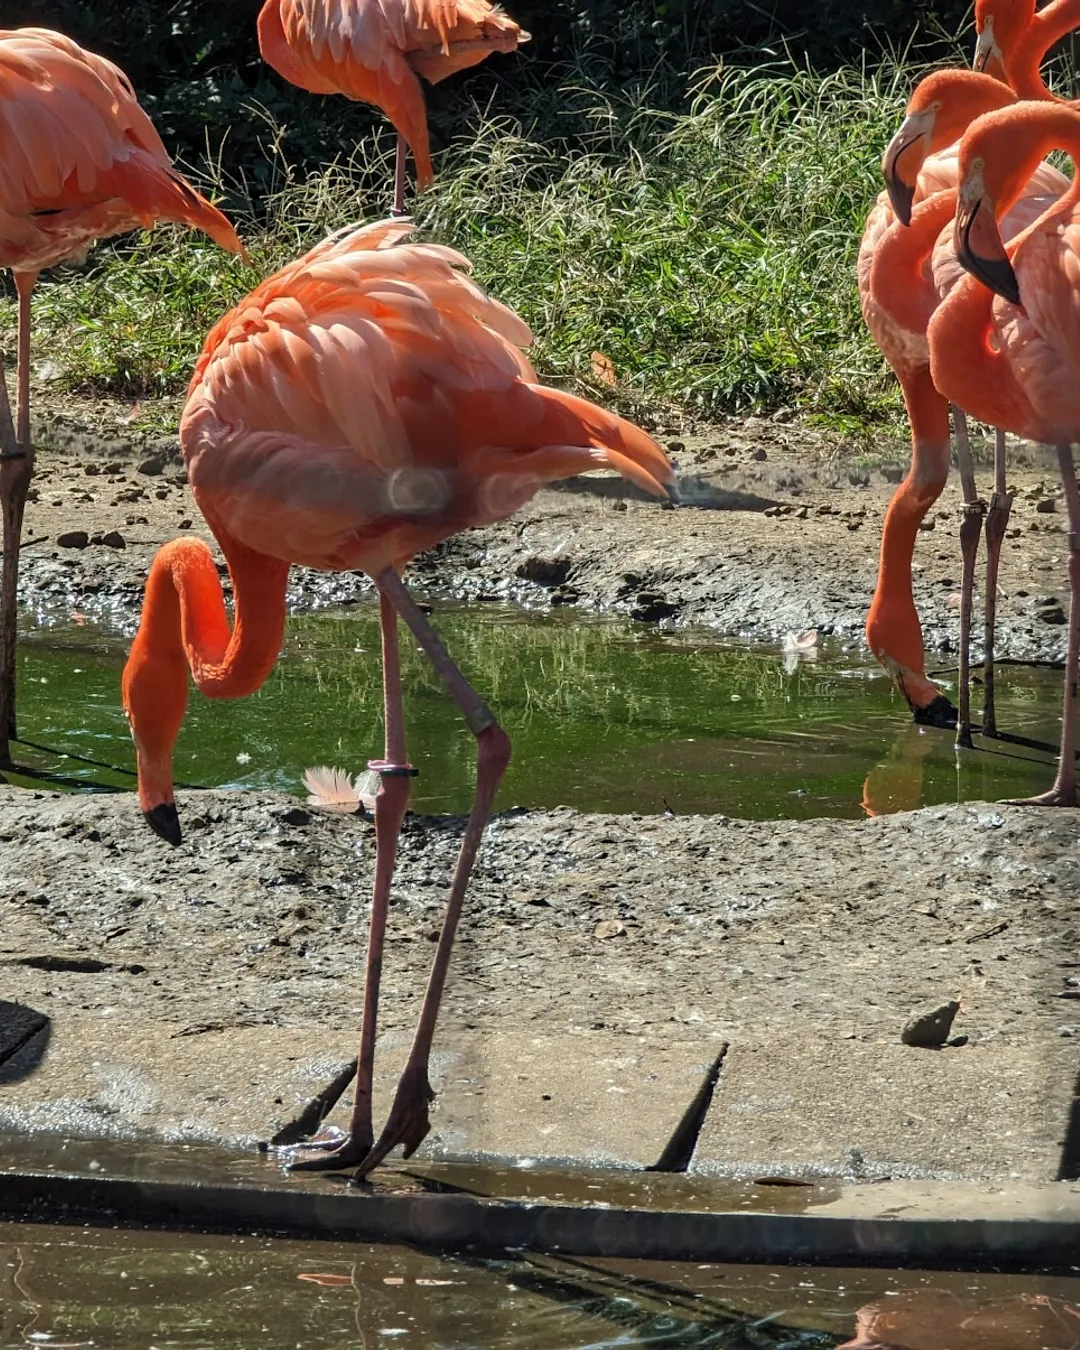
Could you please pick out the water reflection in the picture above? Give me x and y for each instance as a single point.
(119, 1290)
(939, 1321)
(604, 715)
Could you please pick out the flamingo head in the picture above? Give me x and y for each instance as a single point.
(996, 160)
(939, 112)
(1000, 26)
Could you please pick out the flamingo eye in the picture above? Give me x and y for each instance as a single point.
(935, 107)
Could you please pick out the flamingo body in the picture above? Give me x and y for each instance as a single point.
(370, 400)
(375, 50)
(82, 161)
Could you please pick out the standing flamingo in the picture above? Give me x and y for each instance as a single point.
(80, 161)
(374, 50)
(1013, 39)
(1005, 343)
(358, 407)
(898, 296)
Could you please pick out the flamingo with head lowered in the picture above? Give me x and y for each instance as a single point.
(358, 407)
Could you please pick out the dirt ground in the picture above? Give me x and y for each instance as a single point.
(777, 532)
(807, 945)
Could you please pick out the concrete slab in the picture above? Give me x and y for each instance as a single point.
(594, 1097)
(876, 1108)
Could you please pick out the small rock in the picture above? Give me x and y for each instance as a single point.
(184, 525)
(296, 816)
(609, 928)
(930, 1028)
(618, 505)
(675, 447)
(1046, 506)
(926, 526)
(73, 539)
(114, 539)
(1052, 612)
(892, 473)
(758, 454)
(154, 465)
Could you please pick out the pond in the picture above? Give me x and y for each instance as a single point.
(133, 1290)
(604, 715)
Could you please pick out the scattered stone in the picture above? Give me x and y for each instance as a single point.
(1046, 506)
(296, 816)
(675, 447)
(154, 465)
(114, 539)
(758, 454)
(618, 504)
(184, 525)
(892, 473)
(609, 928)
(546, 571)
(1050, 610)
(926, 526)
(930, 1028)
(73, 539)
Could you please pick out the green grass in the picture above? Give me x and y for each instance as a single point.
(709, 254)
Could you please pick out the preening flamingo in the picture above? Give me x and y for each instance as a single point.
(358, 407)
(1005, 343)
(374, 50)
(898, 296)
(81, 161)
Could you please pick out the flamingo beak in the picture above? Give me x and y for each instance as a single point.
(988, 58)
(978, 245)
(900, 178)
(164, 820)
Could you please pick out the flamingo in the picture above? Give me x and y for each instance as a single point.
(81, 162)
(360, 406)
(374, 51)
(1012, 39)
(1005, 342)
(898, 297)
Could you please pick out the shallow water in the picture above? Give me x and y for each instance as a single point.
(604, 716)
(67, 1287)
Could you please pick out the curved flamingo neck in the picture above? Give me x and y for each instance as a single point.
(898, 272)
(967, 368)
(1035, 130)
(1023, 65)
(184, 626)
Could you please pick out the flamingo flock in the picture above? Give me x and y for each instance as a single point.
(968, 279)
(370, 400)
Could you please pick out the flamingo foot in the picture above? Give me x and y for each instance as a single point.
(348, 1152)
(409, 1121)
(1057, 796)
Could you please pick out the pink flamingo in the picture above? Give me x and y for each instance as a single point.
(898, 295)
(358, 407)
(81, 162)
(374, 51)
(1005, 343)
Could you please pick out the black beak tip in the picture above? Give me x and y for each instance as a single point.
(165, 821)
(901, 197)
(995, 273)
(939, 713)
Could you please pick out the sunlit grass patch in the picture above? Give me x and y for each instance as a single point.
(709, 255)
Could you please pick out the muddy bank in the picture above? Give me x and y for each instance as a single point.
(602, 962)
(776, 533)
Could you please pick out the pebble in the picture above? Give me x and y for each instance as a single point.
(930, 1028)
(73, 539)
(1046, 506)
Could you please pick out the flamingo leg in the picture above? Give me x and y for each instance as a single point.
(16, 471)
(997, 521)
(408, 1122)
(1063, 793)
(398, 208)
(971, 526)
(391, 801)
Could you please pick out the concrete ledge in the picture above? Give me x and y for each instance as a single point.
(929, 1226)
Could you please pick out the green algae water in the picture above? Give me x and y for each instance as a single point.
(604, 716)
